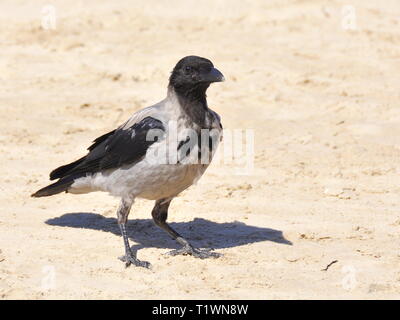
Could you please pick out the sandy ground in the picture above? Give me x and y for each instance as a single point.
(322, 99)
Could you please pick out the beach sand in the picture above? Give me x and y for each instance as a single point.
(318, 215)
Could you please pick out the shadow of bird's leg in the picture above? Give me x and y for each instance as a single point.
(122, 213)
(160, 214)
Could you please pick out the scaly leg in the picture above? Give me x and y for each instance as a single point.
(160, 214)
(122, 213)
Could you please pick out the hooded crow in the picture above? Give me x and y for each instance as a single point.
(159, 152)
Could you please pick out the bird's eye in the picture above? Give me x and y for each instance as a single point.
(187, 68)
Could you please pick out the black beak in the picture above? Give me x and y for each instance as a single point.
(213, 76)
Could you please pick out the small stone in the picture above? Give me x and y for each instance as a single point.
(333, 191)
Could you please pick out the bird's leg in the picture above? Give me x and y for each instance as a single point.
(122, 213)
(160, 214)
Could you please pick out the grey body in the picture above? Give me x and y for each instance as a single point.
(153, 181)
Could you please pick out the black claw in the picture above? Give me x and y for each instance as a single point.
(129, 259)
(198, 253)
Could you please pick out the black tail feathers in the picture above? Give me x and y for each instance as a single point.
(57, 187)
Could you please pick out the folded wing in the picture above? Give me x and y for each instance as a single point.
(117, 148)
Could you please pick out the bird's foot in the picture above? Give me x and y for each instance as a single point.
(130, 259)
(195, 252)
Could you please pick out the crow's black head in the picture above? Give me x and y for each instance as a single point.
(194, 74)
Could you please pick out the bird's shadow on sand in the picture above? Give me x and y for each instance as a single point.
(200, 232)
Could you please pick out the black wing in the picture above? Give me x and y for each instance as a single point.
(61, 171)
(114, 149)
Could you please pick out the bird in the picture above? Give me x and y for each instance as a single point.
(157, 153)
